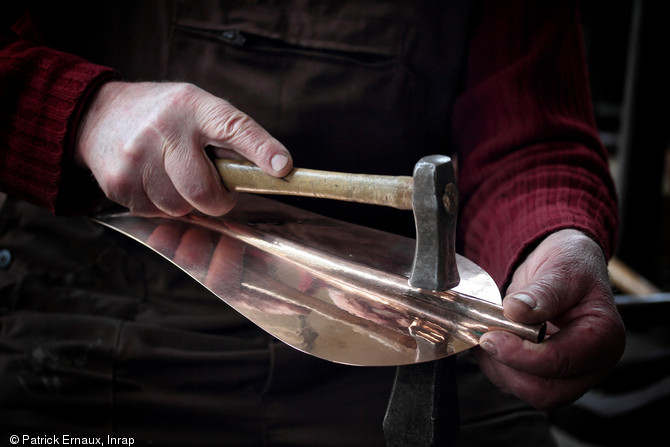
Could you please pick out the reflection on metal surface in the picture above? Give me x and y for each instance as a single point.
(328, 288)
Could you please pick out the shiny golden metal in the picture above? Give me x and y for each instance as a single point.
(331, 289)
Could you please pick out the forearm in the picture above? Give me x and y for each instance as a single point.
(530, 158)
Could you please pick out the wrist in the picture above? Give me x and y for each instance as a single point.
(90, 118)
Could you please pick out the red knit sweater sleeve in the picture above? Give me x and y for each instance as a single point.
(42, 92)
(530, 160)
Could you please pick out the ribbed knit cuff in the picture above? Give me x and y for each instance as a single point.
(46, 91)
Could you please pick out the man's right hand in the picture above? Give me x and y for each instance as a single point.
(145, 145)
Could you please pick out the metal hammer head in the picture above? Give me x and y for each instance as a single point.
(435, 204)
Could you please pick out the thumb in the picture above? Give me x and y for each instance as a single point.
(536, 303)
(237, 135)
(554, 278)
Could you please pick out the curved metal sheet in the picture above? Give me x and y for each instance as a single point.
(328, 288)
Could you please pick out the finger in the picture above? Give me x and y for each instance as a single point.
(121, 184)
(548, 293)
(534, 304)
(224, 126)
(161, 191)
(539, 391)
(196, 179)
(137, 202)
(586, 344)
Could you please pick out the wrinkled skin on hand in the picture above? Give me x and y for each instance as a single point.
(563, 281)
(145, 145)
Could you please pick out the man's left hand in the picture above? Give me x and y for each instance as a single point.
(565, 282)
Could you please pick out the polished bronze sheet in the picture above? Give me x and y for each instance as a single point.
(331, 289)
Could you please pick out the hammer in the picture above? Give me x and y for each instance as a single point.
(423, 407)
(431, 193)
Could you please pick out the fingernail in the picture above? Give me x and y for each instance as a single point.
(489, 347)
(279, 162)
(526, 299)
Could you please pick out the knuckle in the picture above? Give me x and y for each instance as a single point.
(130, 154)
(234, 124)
(227, 123)
(182, 93)
(118, 185)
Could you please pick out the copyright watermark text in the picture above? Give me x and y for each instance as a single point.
(69, 440)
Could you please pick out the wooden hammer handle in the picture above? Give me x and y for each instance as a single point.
(392, 191)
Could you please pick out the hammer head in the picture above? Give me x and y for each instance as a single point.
(435, 204)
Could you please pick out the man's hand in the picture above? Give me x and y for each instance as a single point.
(144, 143)
(563, 281)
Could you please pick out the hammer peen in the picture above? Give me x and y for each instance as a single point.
(431, 193)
